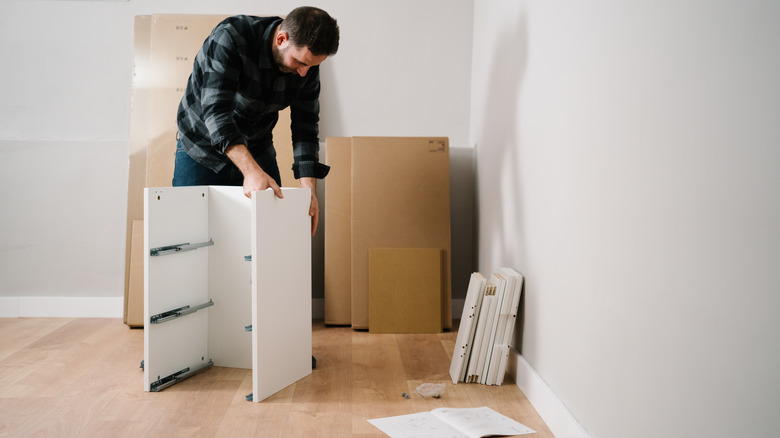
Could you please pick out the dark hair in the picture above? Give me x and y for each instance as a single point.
(312, 28)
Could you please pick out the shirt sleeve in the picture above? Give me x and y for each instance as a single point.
(221, 65)
(304, 116)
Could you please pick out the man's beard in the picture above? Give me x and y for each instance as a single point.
(279, 60)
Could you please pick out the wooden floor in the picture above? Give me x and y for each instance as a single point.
(81, 378)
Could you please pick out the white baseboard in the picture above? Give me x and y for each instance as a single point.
(61, 307)
(560, 421)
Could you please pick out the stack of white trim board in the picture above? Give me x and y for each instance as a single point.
(486, 328)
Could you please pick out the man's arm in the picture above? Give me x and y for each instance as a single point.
(304, 114)
(254, 176)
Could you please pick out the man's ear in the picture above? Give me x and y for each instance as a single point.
(281, 37)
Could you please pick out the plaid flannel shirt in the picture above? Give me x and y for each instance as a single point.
(235, 93)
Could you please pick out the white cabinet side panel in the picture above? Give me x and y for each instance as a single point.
(281, 290)
(174, 216)
(230, 277)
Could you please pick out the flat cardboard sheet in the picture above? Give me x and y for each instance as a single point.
(405, 290)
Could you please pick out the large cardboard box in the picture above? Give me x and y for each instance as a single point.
(139, 120)
(399, 198)
(164, 51)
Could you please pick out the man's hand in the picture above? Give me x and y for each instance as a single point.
(314, 207)
(254, 177)
(259, 180)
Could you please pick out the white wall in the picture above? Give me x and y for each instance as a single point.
(403, 69)
(628, 158)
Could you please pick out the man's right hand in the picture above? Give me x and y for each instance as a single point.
(259, 180)
(254, 176)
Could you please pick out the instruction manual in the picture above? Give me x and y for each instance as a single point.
(451, 423)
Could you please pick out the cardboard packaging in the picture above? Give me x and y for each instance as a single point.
(134, 303)
(399, 198)
(405, 290)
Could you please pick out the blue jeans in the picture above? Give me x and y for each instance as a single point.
(188, 172)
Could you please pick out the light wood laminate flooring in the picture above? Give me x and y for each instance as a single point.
(81, 378)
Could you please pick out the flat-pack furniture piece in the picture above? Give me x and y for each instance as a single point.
(227, 282)
(382, 192)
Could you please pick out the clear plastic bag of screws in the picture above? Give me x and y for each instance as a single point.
(435, 390)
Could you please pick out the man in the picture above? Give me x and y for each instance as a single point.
(247, 70)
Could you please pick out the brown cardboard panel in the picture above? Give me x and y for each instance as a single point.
(405, 290)
(161, 151)
(135, 301)
(139, 119)
(338, 290)
(400, 199)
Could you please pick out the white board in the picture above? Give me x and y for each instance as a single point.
(281, 297)
(230, 277)
(174, 216)
(272, 292)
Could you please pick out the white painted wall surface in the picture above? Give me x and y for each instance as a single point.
(403, 69)
(628, 157)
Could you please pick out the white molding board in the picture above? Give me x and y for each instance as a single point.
(560, 421)
(61, 307)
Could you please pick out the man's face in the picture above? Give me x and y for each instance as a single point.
(296, 60)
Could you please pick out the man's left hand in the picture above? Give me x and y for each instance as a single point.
(314, 207)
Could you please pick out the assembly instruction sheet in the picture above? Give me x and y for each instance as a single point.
(451, 423)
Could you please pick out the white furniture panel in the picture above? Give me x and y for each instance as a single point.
(172, 281)
(281, 298)
(254, 268)
(230, 277)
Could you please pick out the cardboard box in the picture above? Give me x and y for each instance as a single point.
(139, 119)
(338, 250)
(400, 198)
(405, 290)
